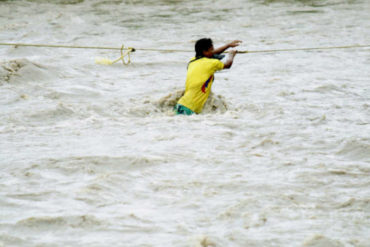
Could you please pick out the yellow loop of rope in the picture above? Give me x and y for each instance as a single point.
(127, 53)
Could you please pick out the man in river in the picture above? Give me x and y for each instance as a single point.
(200, 75)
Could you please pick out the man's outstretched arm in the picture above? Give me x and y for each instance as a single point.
(224, 47)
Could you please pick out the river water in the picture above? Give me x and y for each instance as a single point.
(91, 155)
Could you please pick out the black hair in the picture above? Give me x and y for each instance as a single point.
(202, 45)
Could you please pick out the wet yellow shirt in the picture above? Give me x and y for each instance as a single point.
(199, 81)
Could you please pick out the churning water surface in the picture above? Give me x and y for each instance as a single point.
(91, 155)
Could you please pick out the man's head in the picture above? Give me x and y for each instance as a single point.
(204, 48)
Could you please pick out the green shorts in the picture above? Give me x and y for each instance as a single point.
(180, 109)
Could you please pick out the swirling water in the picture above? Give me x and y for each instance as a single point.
(91, 155)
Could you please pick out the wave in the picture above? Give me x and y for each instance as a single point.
(355, 149)
(58, 1)
(214, 103)
(23, 70)
(95, 164)
(75, 221)
(321, 241)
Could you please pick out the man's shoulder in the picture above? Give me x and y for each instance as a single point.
(204, 60)
(205, 63)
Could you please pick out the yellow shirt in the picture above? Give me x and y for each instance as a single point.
(199, 81)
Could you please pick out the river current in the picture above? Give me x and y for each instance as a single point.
(92, 155)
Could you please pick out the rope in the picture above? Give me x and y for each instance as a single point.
(126, 53)
(128, 50)
(174, 50)
(307, 49)
(66, 46)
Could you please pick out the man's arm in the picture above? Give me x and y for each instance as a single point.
(224, 47)
(230, 60)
